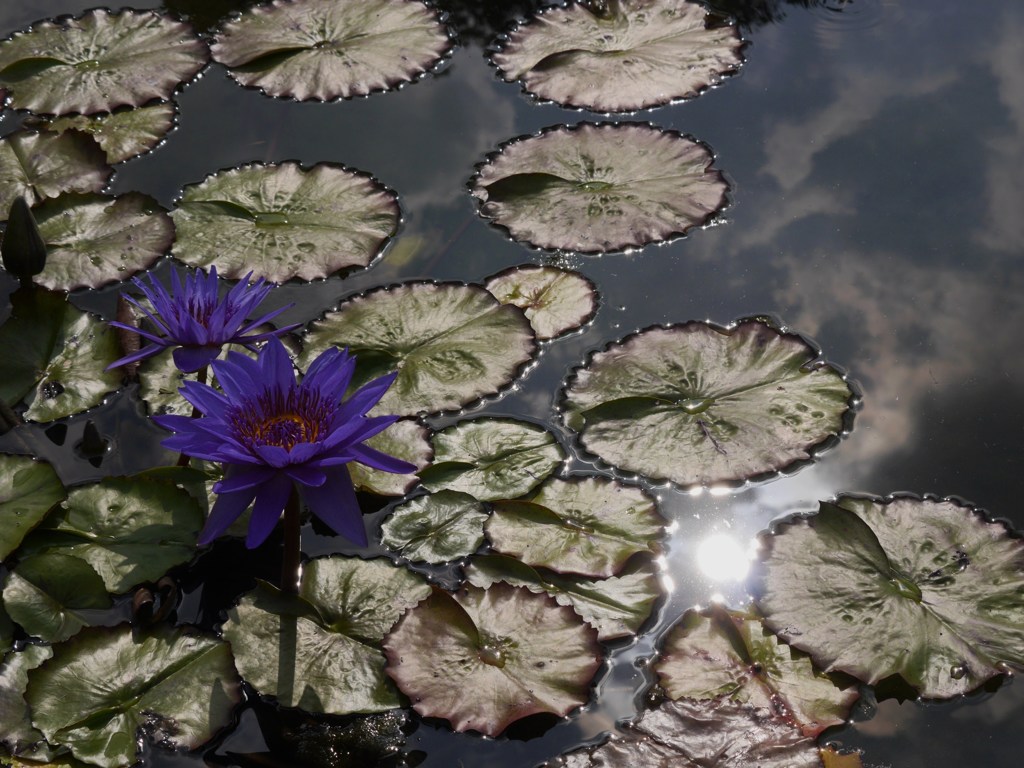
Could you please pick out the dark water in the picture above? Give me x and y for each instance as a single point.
(875, 150)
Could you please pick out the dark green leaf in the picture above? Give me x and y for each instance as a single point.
(28, 490)
(54, 595)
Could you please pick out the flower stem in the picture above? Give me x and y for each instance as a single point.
(183, 459)
(292, 533)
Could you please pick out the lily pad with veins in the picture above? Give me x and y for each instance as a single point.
(38, 166)
(123, 134)
(98, 61)
(94, 240)
(450, 343)
(284, 221)
(324, 49)
(698, 404)
(490, 458)
(926, 589)
(437, 528)
(629, 55)
(29, 489)
(484, 658)
(717, 653)
(554, 300)
(589, 526)
(595, 188)
(406, 439)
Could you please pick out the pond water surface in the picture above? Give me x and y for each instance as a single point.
(874, 150)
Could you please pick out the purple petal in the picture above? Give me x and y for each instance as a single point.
(277, 366)
(239, 479)
(274, 455)
(367, 396)
(225, 511)
(234, 378)
(270, 501)
(371, 457)
(331, 372)
(148, 351)
(191, 359)
(335, 503)
(204, 397)
(306, 475)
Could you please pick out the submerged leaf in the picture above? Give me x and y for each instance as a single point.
(697, 404)
(98, 61)
(595, 188)
(554, 300)
(435, 529)
(922, 588)
(718, 653)
(55, 356)
(94, 240)
(708, 734)
(123, 134)
(28, 490)
(450, 343)
(103, 685)
(323, 49)
(284, 221)
(483, 659)
(590, 526)
(38, 166)
(492, 458)
(637, 54)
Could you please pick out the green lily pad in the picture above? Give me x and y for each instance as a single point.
(322, 49)
(701, 734)
(554, 300)
(616, 607)
(435, 529)
(921, 588)
(130, 529)
(101, 686)
(451, 343)
(38, 166)
(595, 188)
(620, 57)
(492, 458)
(320, 650)
(588, 526)
(6, 631)
(698, 404)
(123, 134)
(94, 240)
(55, 356)
(28, 490)
(483, 659)
(98, 61)
(406, 439)
(721, 654)
(17, 733)
(284, 221)
(50, 595)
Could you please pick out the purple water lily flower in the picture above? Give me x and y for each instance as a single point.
(196, 321)
(273, 435)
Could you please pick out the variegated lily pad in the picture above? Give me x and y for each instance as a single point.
(98, 61)
(94, 240)
(55, 356)
(590, 526)
(555, 300)
(620, 56)
(699, 404)
(450, 343)
(406, 439)
(616, 607)
(324, 49)
(284, 221)
(123, 134)
(720, 654)
(319, 650)
(41, 165)
(492, 458)
(484, 658)
(101, 687)
(921, 588)
(594, 188)
(701, 734)
(436, 528)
